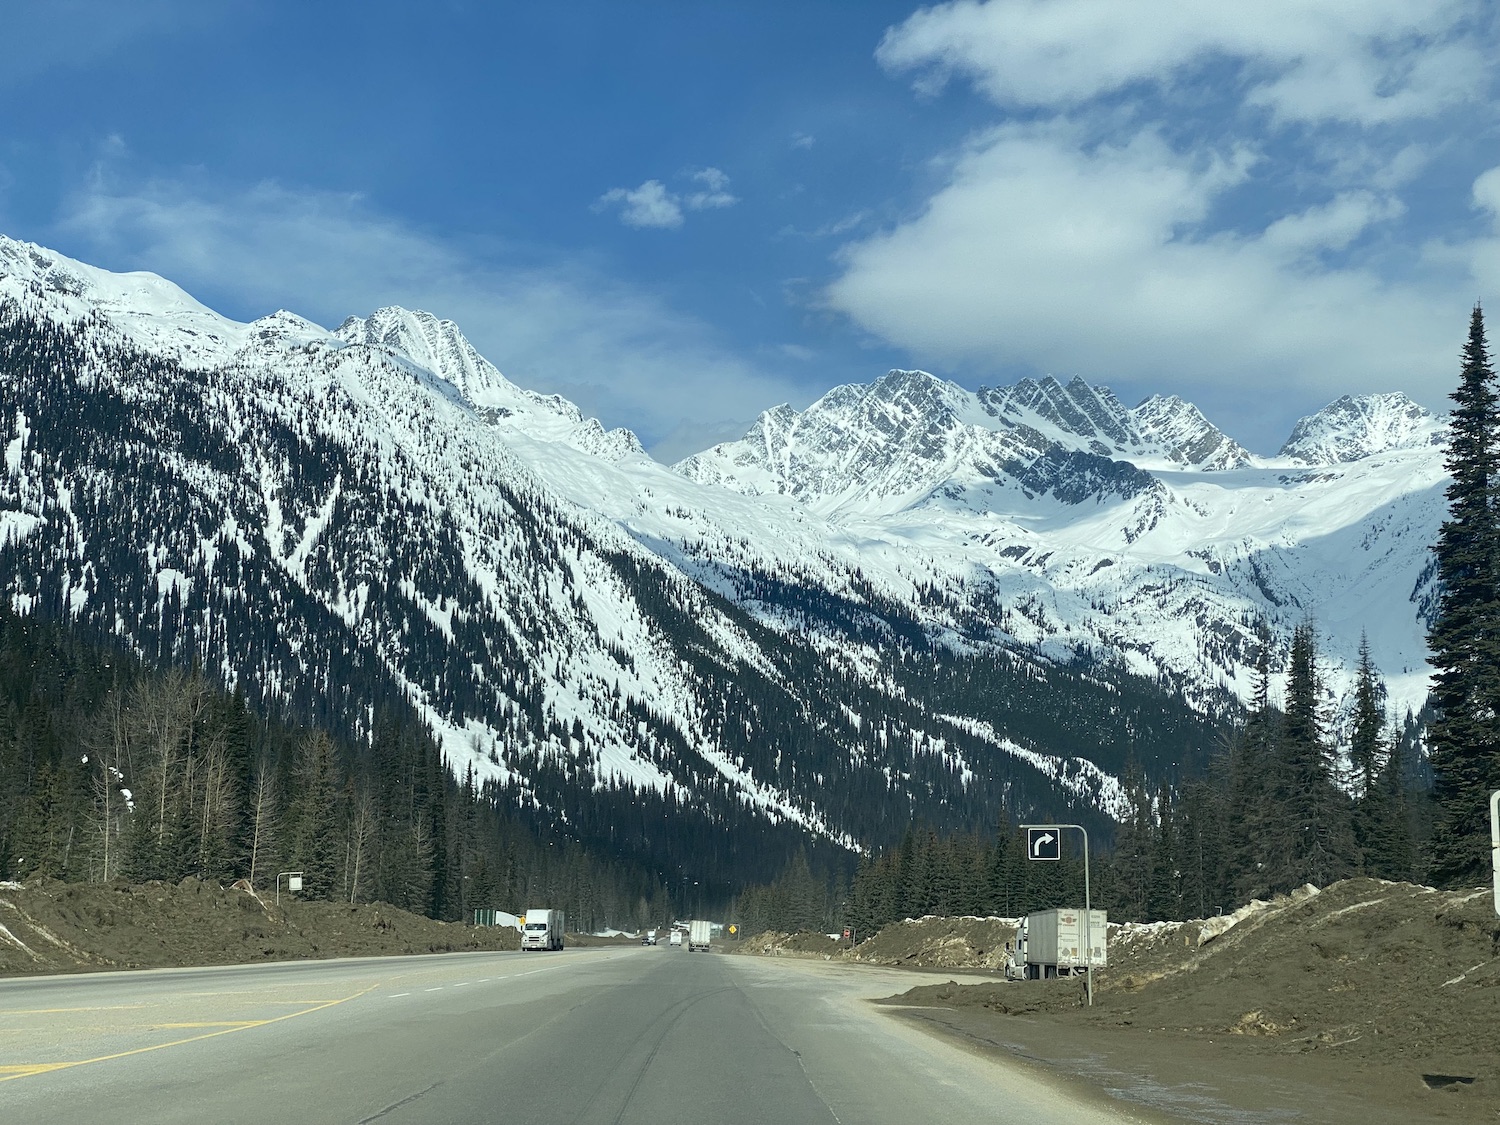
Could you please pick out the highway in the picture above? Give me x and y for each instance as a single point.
(629, 1035)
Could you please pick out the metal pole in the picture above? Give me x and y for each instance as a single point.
(1088, 905)
(1088, 919)
(1495, 843)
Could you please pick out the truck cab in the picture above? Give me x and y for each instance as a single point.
(542, 929)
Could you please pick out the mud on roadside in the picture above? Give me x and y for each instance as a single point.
(53, 927)
(1384, 996)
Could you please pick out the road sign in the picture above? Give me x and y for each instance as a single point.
(846, 933)
(1043, 843)
(733, 930)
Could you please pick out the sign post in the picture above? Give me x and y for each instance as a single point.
(293, 883)
(1495, 844)
(1044, 841)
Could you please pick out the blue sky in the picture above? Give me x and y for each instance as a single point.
(680, 214)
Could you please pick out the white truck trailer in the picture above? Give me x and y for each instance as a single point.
(543, 929)
(699, 933)
(1058, 943)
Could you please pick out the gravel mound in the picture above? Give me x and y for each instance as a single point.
(52, 927)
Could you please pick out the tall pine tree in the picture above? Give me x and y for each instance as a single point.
(1465, 636)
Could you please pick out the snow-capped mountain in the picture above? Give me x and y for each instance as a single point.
(1143, 533)
(1354, 428)
(910, 436)
(437, 346)
(908, 600)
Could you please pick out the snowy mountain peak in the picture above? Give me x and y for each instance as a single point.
(435, 345)
(438, 346)
(1078, 409)
(287, 329)
(1187, 437)
(148, 310)
(911, 440)
(1358, 426)
(1160, 433)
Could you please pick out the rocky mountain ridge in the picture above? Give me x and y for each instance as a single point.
(907, 601)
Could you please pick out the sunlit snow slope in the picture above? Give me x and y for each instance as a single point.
(908, 601)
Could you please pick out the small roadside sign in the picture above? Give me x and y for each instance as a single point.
(846, 933)
(733, 930)
(1043, 843)
(1495, 844)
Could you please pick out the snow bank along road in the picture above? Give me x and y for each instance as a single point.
(593, 1035)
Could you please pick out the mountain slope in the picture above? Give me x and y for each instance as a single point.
(908, 601)
(1144, 535)
(334, 528)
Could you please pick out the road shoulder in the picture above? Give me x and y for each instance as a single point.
(1193, 1079)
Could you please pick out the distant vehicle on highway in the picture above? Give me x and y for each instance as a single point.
(543, 929)
(699, 935)
(1056, 943)
(676, 938)
(648, 938)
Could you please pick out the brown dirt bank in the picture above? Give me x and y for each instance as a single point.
(1357, 1003)
(52, 927)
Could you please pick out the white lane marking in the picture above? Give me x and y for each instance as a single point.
(439, 988)
(397, 995)
(484, 980)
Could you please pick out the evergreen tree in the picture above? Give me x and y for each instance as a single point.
(1311, 836)
(1365, 746)
(1249, 816)
(316, 838)
(1463, 740)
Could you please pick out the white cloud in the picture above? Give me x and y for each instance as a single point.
(650, 205)
(1194, 194)
(1486, 192)
(622, 354)
(1043, 252)
(803, 140)
(715, 191)
(653, 205)
(1366, 61)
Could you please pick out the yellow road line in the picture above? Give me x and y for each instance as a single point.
(54, 1011)
(9, 1073)
(212, 1023)
(23, 1070)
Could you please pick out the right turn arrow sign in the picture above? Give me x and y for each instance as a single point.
(1043, 843)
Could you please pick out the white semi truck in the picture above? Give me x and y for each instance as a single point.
(1057, 943)
(699, 933)
(543, 929)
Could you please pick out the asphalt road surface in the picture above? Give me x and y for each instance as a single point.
(631, 1035)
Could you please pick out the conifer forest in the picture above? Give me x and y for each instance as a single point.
(113, 767)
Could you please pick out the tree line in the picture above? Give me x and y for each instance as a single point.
(110, 770)
(1282, 804)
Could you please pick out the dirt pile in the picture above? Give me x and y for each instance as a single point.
(942, 943)
(1392, 987)
(1376, 969)
(50, 927)
(805, 943)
